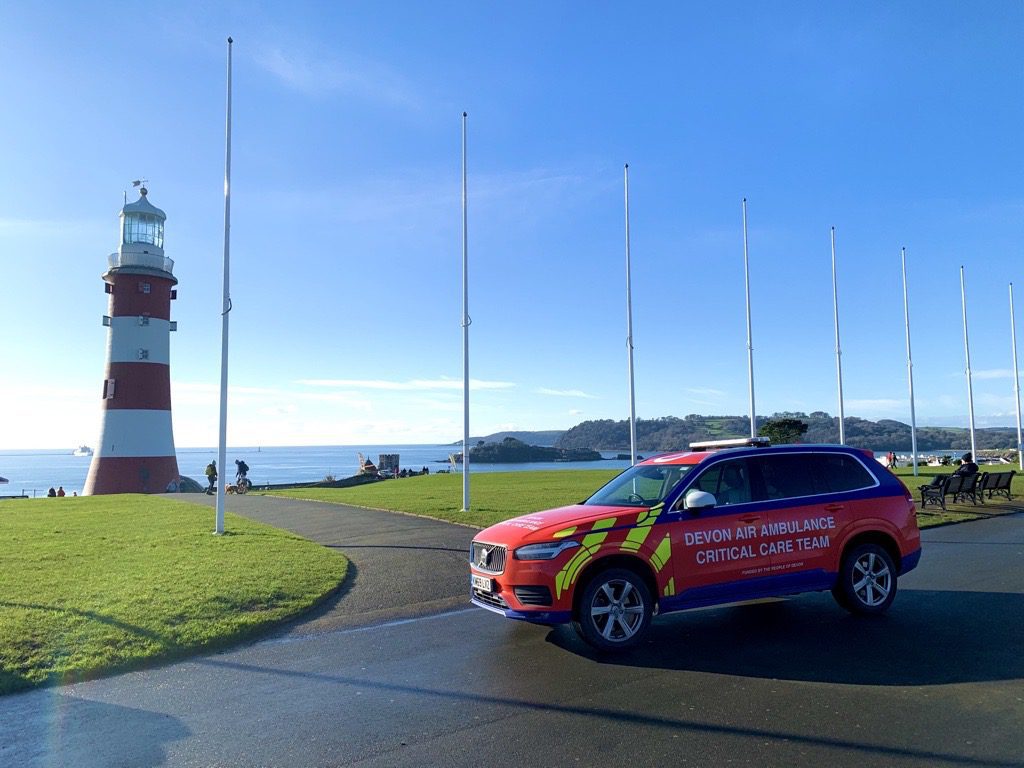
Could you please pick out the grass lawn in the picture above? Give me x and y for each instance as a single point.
(91, 585)
(496, 496)
(958, 513)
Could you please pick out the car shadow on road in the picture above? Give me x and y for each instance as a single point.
(926, 638)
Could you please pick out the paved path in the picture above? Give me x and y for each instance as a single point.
(936, 682)
(401, 566)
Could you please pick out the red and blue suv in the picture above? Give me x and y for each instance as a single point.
(700, 528)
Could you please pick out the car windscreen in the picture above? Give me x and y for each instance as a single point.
(641, 486)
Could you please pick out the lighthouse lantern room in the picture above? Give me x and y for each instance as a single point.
(136, 446)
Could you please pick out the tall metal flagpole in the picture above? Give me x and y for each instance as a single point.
(910, 363)
(750, 343)
(225, 310)
(967, 355)
(465, 330)
(1016, 380)
(629, 332)
(839, 351)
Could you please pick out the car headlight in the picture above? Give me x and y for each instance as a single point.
(547, 551)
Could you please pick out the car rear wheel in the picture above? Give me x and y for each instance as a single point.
(867, 580)
(614, 610)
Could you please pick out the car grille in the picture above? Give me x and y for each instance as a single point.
(489, 558)
(533, 595)
(489, 598)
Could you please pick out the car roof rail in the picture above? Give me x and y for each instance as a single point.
(742, 442)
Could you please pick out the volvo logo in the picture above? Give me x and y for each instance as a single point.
(484, 558)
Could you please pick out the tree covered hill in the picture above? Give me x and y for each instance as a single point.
(670, 433)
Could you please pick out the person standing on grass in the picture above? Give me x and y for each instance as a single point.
(211, 476)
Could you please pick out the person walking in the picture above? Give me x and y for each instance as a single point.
(211, 476)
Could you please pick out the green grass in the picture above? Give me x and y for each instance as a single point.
(500, 495)
(92, 585)
(494, 496)
(959, 513)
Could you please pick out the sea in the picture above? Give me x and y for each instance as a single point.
(33, 472)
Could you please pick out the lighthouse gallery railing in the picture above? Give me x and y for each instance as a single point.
(149, 260)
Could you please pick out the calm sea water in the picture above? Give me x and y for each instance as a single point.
(33, 472)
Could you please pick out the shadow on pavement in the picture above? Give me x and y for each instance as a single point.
(81, 732)
(926, 638)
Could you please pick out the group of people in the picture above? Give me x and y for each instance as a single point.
(967, 464)
(59, 493)
(241, 479)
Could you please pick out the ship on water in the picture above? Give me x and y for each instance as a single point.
(82, 450)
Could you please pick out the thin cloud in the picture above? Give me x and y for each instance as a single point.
(706, 391)
(361, 78)
(564, 393)
(876, 404)
(405, 386)
(992, 373)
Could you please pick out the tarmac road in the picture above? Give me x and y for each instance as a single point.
(938, 681)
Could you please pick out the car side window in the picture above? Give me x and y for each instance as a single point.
(788, 476)
(729, 481)
(843, 473)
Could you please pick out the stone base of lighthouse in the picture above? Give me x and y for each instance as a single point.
(155, 474)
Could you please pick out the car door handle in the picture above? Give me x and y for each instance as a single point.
(834, 507)
(750, 518)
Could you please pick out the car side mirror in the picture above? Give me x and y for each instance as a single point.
(696, 501)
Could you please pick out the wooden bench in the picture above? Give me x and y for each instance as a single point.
(997, 484)
(960, 487)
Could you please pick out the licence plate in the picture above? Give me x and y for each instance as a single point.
(481, 583)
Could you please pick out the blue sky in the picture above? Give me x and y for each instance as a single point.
(899, 124)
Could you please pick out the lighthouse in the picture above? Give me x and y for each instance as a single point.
(136, 446)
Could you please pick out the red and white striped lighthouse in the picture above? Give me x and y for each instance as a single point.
(136, 447)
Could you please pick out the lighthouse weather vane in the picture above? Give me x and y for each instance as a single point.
(141, 183)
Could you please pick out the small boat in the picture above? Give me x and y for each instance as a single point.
(82, 450)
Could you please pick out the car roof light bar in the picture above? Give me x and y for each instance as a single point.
(743, 442)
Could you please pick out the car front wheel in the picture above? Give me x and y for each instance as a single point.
(867, 580)
(614, 610)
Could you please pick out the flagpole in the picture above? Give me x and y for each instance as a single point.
(839, 351)
(967, 356)
(910, 363)
(465, 330)
(750, 343)
(225, 310)
(1016, 380)
(629, 331)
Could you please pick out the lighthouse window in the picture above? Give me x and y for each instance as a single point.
(145, 287)
(108, 389)
(143, 354)
(143, 320)
(143, 228)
